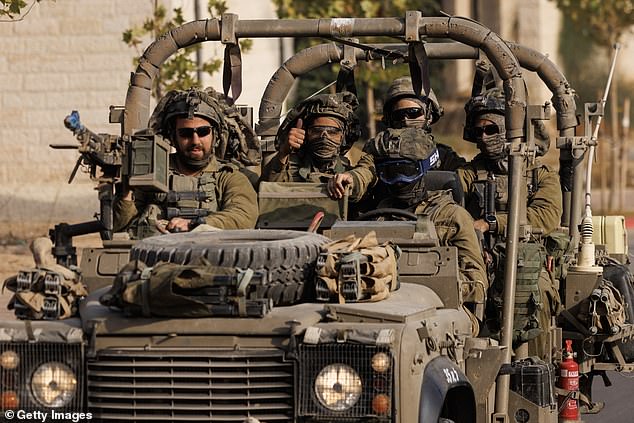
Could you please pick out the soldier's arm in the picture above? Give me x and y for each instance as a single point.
(454, 226)
(276, 171)
(544, 207)
(466, 177)
(363, 177)
(238, 205)
(123, 212)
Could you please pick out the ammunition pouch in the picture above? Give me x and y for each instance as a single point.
(195, 290)
(45, 293)
(529, 305)
(356, 270)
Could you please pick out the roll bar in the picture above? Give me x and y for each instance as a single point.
(412, 27)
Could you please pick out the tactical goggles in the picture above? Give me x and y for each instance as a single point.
(201, 131)
(331, 131)
(491, 129)
(407, 113)
(404, 171)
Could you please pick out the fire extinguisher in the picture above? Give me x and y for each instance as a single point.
(568, 380)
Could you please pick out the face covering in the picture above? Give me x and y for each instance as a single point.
(323, 150)
(408, 195)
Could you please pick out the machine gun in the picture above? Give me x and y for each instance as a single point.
(138, 161)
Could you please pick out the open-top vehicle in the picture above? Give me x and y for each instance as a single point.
(269, 355)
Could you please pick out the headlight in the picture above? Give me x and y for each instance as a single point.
(9, 360)
(338, 387)
(53, 384)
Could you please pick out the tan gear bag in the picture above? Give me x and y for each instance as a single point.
(356, 269)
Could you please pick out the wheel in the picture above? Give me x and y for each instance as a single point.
(286, 258)
(389, 213)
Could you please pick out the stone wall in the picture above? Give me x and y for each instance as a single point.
(67, 55)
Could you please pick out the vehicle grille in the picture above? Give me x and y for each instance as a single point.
(191, 386)
(31, 356)
(314, 358)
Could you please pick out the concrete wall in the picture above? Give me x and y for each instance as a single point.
(69, 54)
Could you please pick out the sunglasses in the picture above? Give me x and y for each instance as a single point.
(318, 130)
(407, 113)
(201, 131)
(492, 129)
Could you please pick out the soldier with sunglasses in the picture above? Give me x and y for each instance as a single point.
(484, 126)
(203, 191)
(403, 108)
(312, 142)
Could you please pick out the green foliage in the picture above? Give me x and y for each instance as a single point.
(180, 71)
(11, 8)
(606, 21)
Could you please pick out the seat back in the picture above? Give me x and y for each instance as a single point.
(440, 180)
(293, 205)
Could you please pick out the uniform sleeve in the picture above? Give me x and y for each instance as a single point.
(364, 177)
(276, 171)
(123, 212)
(238, 205)
(466, 177)
(454, 226)
(544, 208)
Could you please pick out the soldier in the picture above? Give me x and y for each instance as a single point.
(202, 190)
(484, 125)
(402, 158)
(402, 108)
(313, 140)
(536, 298)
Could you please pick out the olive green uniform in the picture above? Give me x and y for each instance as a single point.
(300, 168)
(231, 199)
(454, 227)
(544, 195)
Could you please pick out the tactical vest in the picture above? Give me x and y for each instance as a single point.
(475, 204)
(190, 197)
(309, 173)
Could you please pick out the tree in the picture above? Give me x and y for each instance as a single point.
(12, 9)
(180, 71)
(369, 74)
(604, 23)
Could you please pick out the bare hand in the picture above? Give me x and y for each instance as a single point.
(178, 224)
(481, 225)
(338, 184)
(295, 139)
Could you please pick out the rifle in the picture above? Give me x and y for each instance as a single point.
(138, 161)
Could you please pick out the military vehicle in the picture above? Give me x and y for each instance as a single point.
(264, 355)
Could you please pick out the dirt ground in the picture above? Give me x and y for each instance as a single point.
(15, 255)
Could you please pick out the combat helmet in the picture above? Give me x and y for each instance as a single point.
(186, 103)
(491, 101)
(402, 88)
(341, 106)
(402, 155)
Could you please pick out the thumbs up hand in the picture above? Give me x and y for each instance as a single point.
(294, 140)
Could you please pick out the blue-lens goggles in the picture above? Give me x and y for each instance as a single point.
(404, 171)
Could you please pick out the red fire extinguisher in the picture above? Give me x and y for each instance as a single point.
(568, 380)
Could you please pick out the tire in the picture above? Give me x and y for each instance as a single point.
(286, 258)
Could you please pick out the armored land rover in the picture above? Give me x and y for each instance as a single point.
(264, 353)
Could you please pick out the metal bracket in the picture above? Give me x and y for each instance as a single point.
(412, 25)
(228, 29)
(534, 112)
(349, 58)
